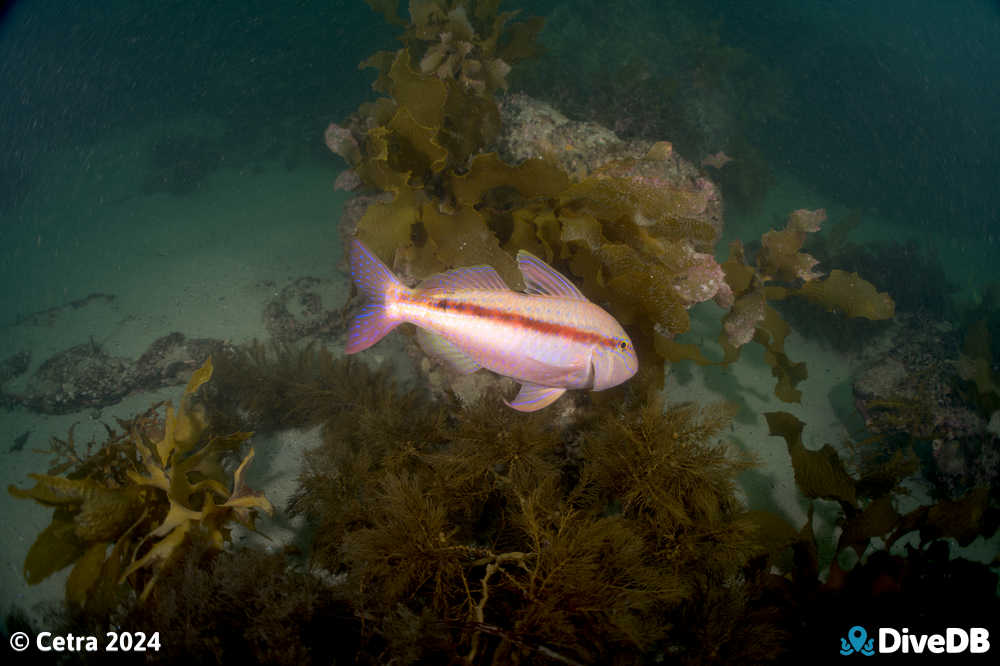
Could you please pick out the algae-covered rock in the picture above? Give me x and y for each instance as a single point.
(470, 180)
(632, 220)
(649, 181)
(533, 129)
(913, 390)
(85, 376)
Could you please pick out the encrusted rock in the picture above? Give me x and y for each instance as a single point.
(14, 365)
(79, 377)
(532, 129)
(910, 391)
(87, 377)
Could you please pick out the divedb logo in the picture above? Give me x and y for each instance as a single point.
(954, 640)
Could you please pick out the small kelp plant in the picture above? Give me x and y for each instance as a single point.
(125, 512)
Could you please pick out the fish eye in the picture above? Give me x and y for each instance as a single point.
(623, 345)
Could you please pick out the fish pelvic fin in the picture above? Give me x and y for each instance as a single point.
(378, 285)
(533, 397)
(448, 352)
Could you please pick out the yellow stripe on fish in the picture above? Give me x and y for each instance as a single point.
(550, 338)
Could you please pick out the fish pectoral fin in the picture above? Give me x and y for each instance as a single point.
(533, 397)
(443, 349)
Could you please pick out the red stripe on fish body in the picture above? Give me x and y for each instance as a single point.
(548, 340)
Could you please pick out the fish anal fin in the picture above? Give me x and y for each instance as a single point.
(443, 349)
(533, 397)
(540, 278)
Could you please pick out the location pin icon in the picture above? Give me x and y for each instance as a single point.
(857, 635)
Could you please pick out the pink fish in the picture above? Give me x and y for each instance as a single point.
(550, 339)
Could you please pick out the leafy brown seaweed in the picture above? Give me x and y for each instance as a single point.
(920, 581)
(147, 495)
(866, 503)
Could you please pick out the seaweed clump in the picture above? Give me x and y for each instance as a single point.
(443, 533)
(913, 275)
(125, 512)
(501, 538)
(244, 606)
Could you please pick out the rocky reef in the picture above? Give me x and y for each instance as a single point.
(85, 376)
(931, 391)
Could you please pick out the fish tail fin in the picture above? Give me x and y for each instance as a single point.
(378, 285)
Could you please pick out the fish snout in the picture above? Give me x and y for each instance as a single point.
(614, 366)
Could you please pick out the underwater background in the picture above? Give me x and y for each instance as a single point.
(814, 450)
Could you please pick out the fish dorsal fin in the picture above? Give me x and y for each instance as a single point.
(533, 397)
(470, 277)
(540, 278)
